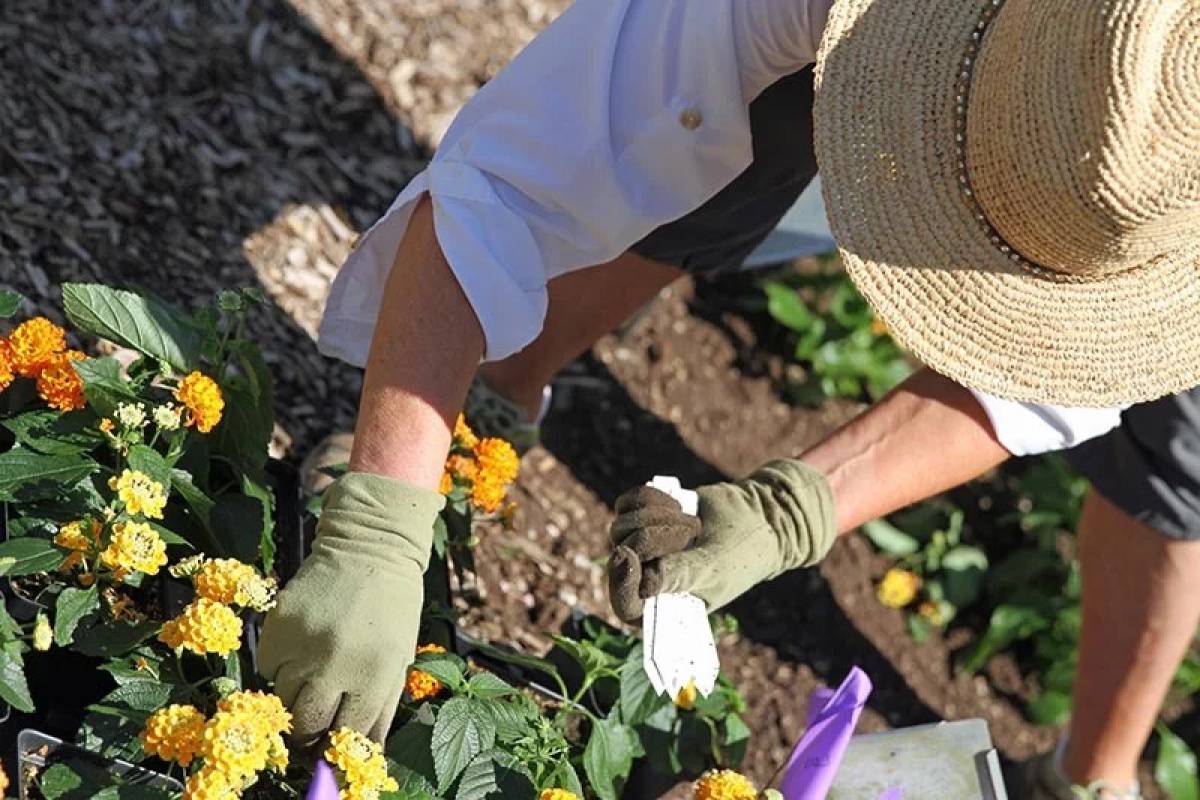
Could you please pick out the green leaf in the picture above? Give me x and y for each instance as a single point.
(608, 757)
(411, 785)
(113, 733)
(58, 781)
(14, 689)
(565, 777)
(1008, 624)
(785, 306)
(26, 475)
(487, 686)
(446, 667)
(266, 544)
(126, 670)
(1175, 768)
(463, 730)
(237, 523)
(244, 433)
(103, 385)
(513, 716)
(200, 503)
(150, 461)
(638, 698)
(145, 324)
(587, 655)
(170, 537)
(1049, 708)
(55, 433)
(28, 555)
(965, 569)
(919, 628)
(72, 605)
(890, 539)
(478, 779)
(140, 696)
(113, 639)
(10, 302)
(410, 746)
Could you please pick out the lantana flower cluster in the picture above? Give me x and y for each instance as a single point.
(359, 765)
(37, 349)
(210, 623)
(724, 784)
(243, 738)
(482, 468)
(421, 685)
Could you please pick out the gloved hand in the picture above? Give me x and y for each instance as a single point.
(339, 642)
(744, 533)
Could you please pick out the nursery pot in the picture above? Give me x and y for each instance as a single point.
(37, 750)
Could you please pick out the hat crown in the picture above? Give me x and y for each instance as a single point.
(1083, 130)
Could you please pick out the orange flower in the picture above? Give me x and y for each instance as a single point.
(34, 344)
(446, 484)
(463, 435)
(498, 461)
(201, 396)
(421, 685)
(59, 384)
(6, 365)
(488, 495)
(462, 467)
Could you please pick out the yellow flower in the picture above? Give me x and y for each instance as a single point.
(135, 547)
(421, 685)
(7, 376)
(43, 635)
(266, 708)
(463, 467)
(210, 784)
(187, 567)
(201, 396)
(724, 784)
(488, 495)
(3, 780)
(879, 327)
(686, 699)
(107, 426)
(60, 385)
(498, 461)
(140, 493)
(361, 762)
(508, 517)
(174, 733)
(446, 484)
(204, 627)
(235, 744)
(72, 537)
(227, 580)
(34, 344)
(463, 435)
(277, 754)
(121, 606)
(931, 612)
(557, 794)
(898, 588)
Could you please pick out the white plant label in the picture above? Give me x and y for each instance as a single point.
(677, 639)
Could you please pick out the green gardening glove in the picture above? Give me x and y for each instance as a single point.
(744, 533)
(340, 640)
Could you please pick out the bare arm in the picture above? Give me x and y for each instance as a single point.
(926, 436)
(426, 347)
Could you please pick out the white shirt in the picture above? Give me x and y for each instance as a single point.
(621, 116)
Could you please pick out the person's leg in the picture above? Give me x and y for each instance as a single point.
(1140, 611)
(584, 306)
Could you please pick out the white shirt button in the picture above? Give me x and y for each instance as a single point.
(691, 118)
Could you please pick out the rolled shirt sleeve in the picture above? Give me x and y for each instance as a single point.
(621, 116)
(1025, 429)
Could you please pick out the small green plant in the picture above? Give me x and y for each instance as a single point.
(834, 332)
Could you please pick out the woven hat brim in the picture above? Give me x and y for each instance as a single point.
(885, 131)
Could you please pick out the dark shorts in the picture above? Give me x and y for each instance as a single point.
(1149, 466)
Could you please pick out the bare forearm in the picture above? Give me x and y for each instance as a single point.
(925, 437)
(426, 347)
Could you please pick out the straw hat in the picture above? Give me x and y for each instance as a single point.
(1015, 187)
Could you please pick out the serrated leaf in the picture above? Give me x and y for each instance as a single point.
(72, 606)
(112, 639)
(487, 686)
(10, 302)
(411, 747)
(26, 475)
(513, 716)
(463, 730)
(170, 537)
(103, 385)
(410, 785)
(141, 696)
(112, 735)
(145, 324)
(478, 779)
(638, 698)
(609, 757)
(565, 777)
(150, 461)
(586, 654)
(1175, 768)
(200, 503)
(446, 667)
(55, 433)
(14, 689)
(28, 555)
(266, 542)
(59, 780)
(890, 539)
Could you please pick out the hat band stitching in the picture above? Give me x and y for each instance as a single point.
(962, 102)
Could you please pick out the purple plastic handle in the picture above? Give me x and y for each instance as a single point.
(832, 716)
(324, 785)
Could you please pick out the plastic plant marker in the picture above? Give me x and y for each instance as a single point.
(324, 785)
(832, 717)
(679, 645)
